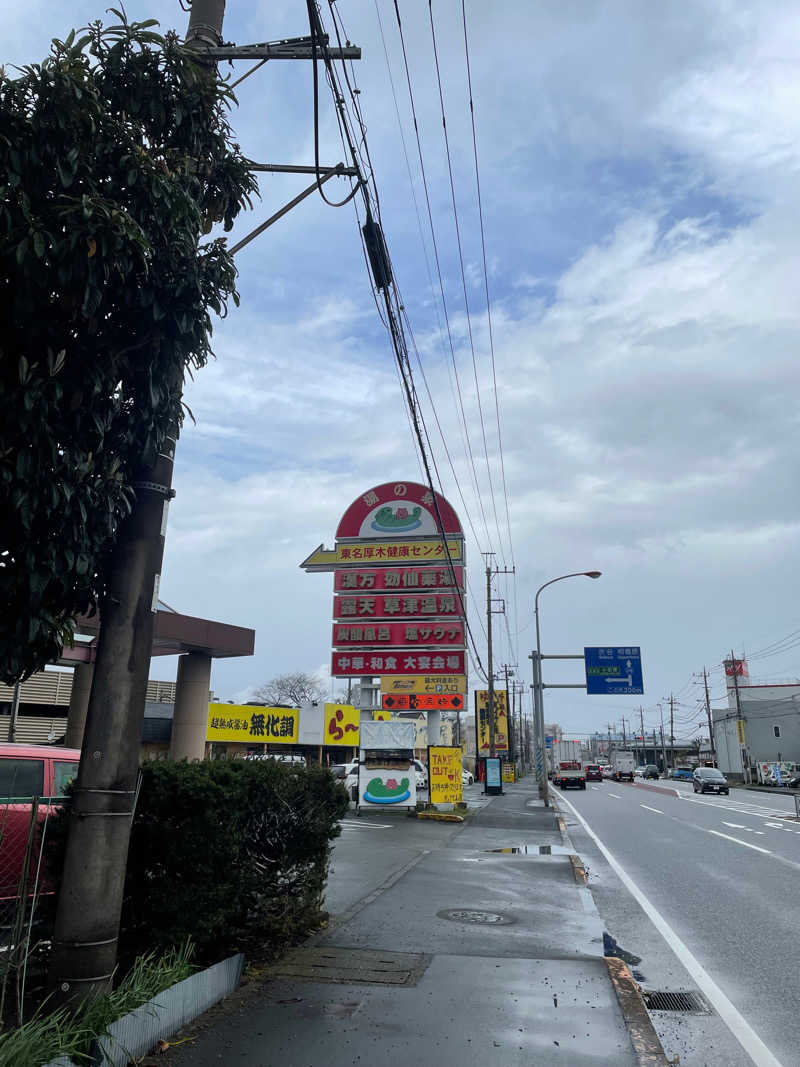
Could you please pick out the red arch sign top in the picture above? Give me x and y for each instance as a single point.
(398, 509)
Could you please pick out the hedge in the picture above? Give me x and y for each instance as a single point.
(233, 854)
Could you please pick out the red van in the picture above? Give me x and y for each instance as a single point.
(28, 771)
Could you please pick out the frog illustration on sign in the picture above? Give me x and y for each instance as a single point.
(400, 520)
(389, 792)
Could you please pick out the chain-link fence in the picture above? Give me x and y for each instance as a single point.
(23, 944)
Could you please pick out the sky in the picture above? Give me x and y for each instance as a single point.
(639, 176)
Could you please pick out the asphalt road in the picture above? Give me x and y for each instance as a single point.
(722, 872)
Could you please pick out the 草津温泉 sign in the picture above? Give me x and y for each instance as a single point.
(500, 720)
(381, 661)
(423, 701)
(251, 724)
(613, 671)
(398, 634)
(444, 774)
(341, 725)
(377, 579)
(388, 607)
(446, 683)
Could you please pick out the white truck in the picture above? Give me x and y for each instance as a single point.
(622, 765)
(569, 773)
(562, 752)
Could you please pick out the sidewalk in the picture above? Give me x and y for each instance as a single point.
(441, 952)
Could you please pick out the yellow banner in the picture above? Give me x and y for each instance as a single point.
(341, 725)
(250, 724)
(381, 716)
(423, 683)
(500, 722)
(444, 775)
(740, 731)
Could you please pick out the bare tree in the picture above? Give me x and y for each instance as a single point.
(295, 688)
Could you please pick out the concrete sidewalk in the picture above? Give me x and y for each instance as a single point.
(442, 951)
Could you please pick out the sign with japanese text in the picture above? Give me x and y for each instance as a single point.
(378, 661)
(392, 552)
(500, 721)
(615, 670)
(422, 701)
(398, 509)
(440, 684)
(398, 635)
(341, 725)
(387, 607)
(248, 723)
(444, 774)
(376, 579)
(509, 772)
(736, 667)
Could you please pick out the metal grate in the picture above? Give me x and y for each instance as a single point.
(476, 916)
(346, 965)
(666, 1000)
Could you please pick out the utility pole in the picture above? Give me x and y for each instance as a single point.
(708, 713)
(663, 746)
(641, 727)
(489, 667)
(624, 735)
(608, 753)
(672, 728)
(84, 948)
(740, 738)
(12, 726)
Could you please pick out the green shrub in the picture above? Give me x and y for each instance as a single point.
(233, 854)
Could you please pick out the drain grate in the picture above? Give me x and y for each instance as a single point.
(476, 916)
(666, 1000)
(346, 965)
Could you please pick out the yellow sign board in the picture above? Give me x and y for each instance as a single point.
(500, 721)
(509, 772)
(444, 774)
(423, 683)
(740, 732)
(356, 554)
(341, 725)
(381, 716)
(248, 724)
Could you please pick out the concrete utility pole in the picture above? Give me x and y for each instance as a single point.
(489, 667)
(672, 728)
(708, 713)
(84, 949)
(624, 735)
(641, 726)
(740, 736)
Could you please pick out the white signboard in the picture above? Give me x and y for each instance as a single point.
(392, 784)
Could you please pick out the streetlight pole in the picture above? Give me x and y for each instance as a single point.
(538, 686)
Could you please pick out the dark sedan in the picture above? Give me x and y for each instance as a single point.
(709, 780)
(593, 772)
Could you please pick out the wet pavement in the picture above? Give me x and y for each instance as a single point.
(439, 951)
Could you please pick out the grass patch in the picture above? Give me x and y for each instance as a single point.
(64, 1033)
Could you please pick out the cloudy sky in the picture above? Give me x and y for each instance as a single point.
(639, 171)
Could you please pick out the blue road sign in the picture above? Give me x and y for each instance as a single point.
(613, 671)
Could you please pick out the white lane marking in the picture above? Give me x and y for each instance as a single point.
(736, 1023)
(735, 825)
(758, 848)
(596, 788)
(367, 826)
(760, 813)
(651, 809)
(615, 796)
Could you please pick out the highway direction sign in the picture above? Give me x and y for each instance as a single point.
(613, 671)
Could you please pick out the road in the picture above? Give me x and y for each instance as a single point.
(719, 874)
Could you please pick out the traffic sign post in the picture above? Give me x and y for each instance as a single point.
(613, 671)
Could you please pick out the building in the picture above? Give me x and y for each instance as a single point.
(760, 725)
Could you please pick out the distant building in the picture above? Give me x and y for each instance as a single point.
(761, 723)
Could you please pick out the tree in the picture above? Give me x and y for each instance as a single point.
(295, 688)
(115, 154)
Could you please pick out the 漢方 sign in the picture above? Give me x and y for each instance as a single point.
(614, 671)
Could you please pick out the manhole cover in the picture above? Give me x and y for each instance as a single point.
(665, 1000)
(475, 915)
(346, 965)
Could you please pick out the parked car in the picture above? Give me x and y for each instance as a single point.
(422, 774)
(593, 772)
(467, 777)
(28, 771)
(683, 773)
(651, 771)
(709, 780)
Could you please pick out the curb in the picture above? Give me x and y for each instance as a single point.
(439, 816)
(645, 1041)
(578, 869)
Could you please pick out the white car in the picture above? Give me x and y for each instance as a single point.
(467, 777)
(639, 772)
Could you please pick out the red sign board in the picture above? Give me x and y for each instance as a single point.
(422, 702)
(398, 509)
(398, 634)
(345, 664)
(399, 579)
(416, 605)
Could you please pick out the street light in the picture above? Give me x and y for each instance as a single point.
(537, 679)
